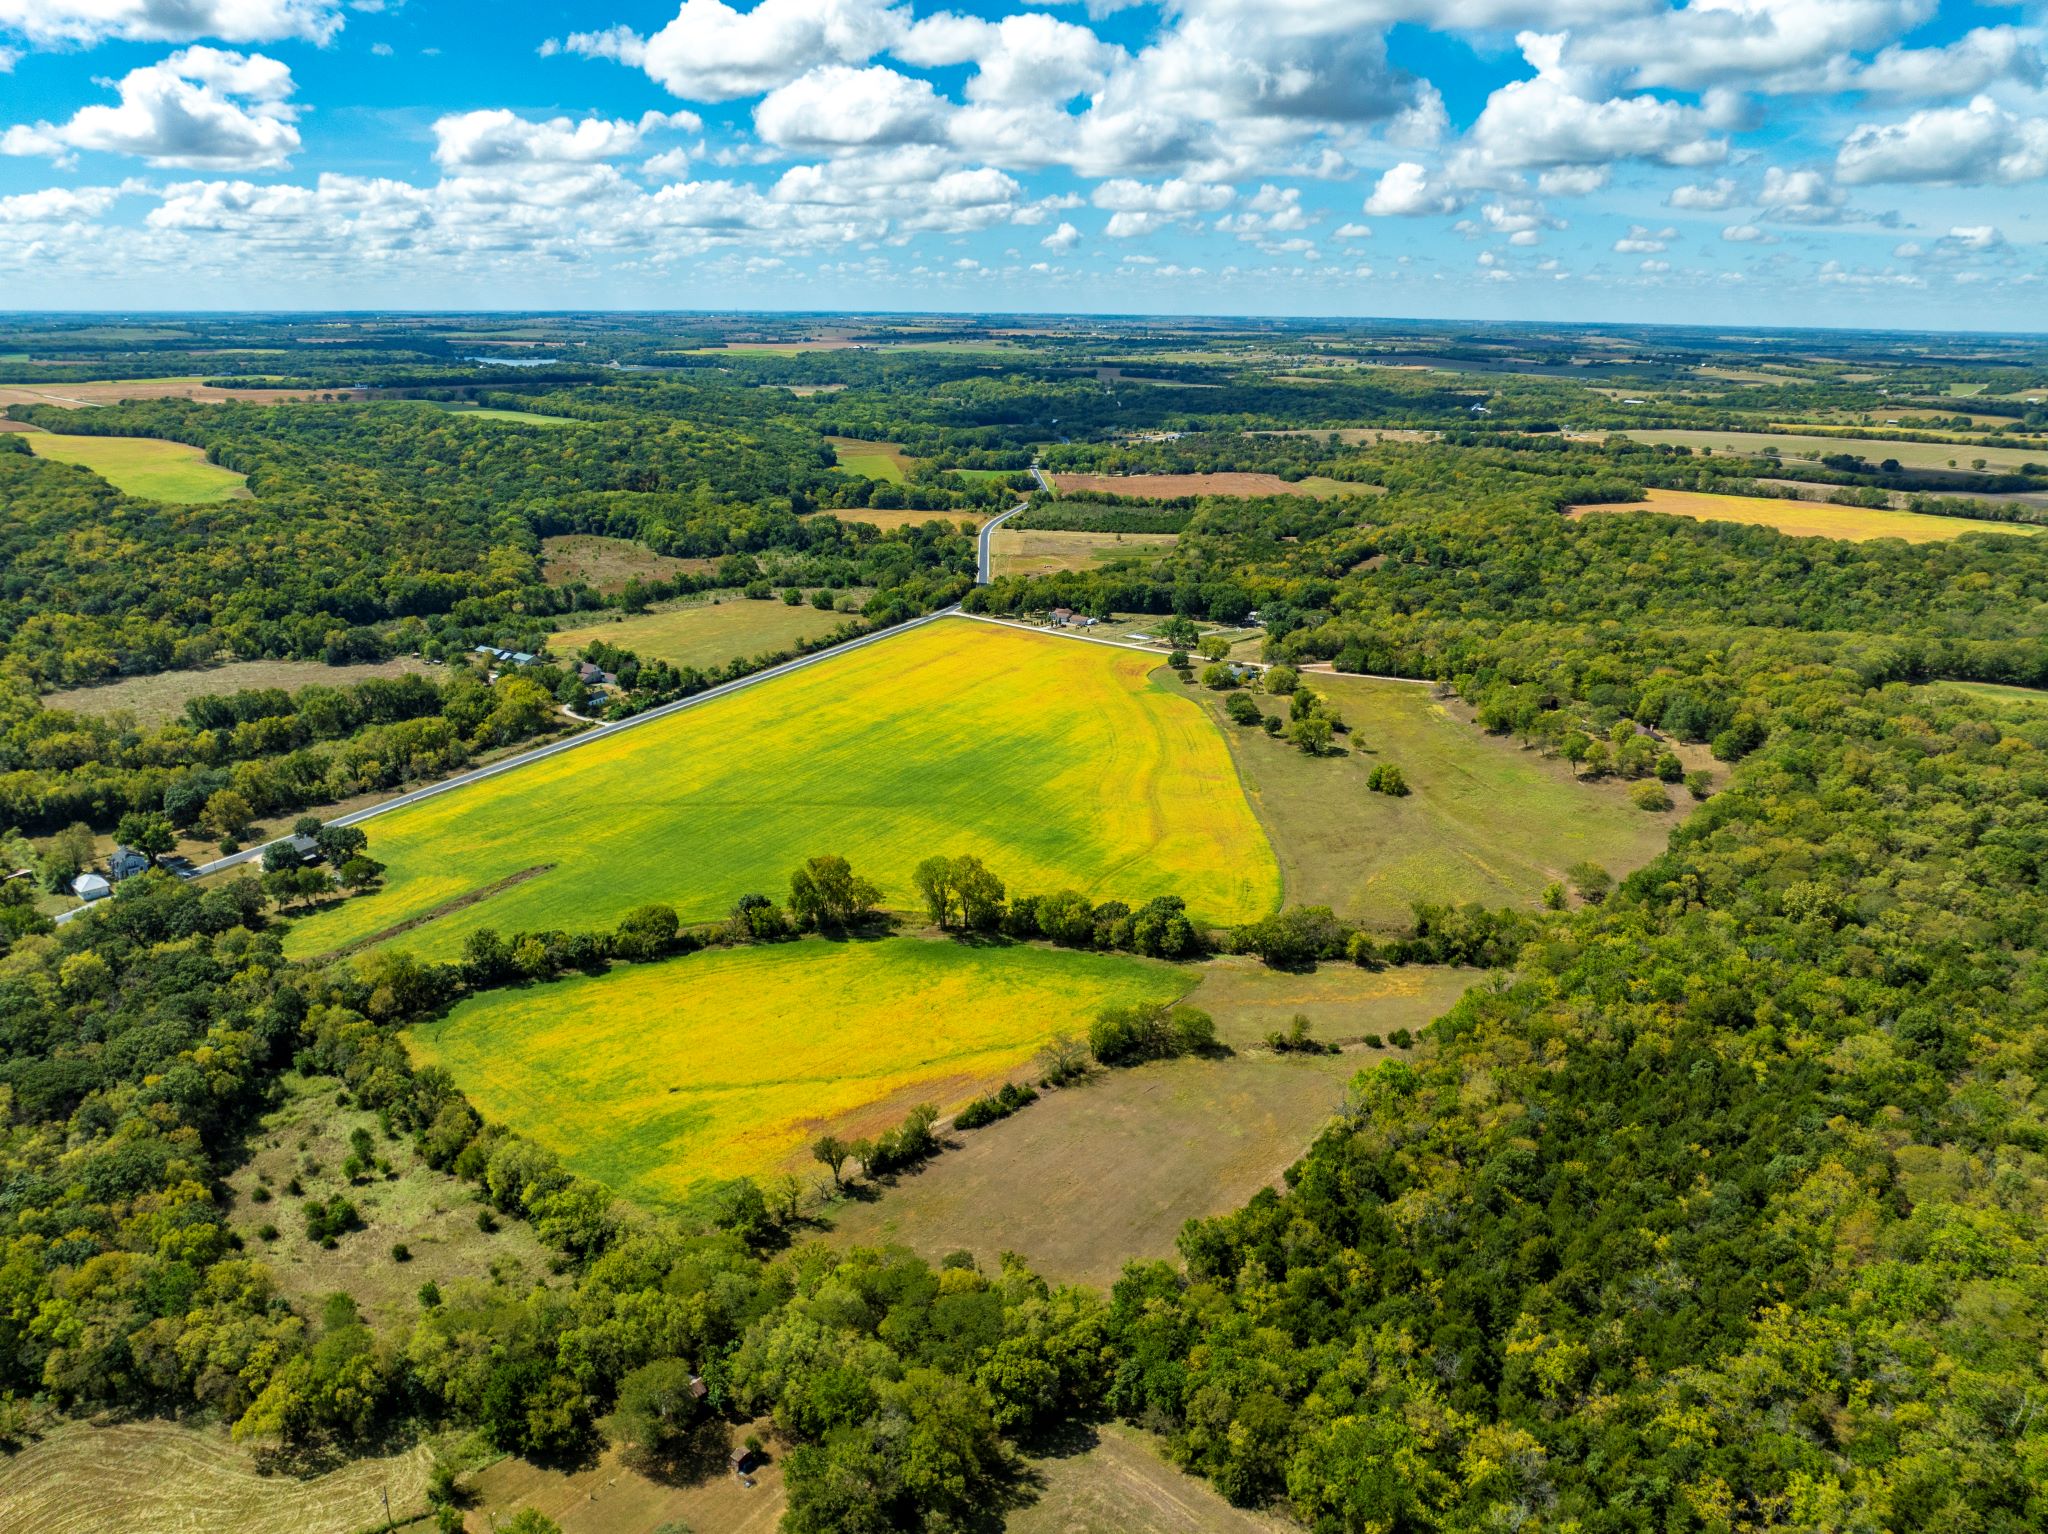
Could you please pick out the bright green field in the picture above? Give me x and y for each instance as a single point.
(652, 1078)
(708, 634)
(1058, 763)
(877, 460)
(144, 466)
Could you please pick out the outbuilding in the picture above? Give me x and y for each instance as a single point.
(91, 887)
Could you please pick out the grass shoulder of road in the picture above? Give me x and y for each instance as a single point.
(1808, 519)
(1485, 820)
(144, 466)
(657, 1078)
(306, 1137)
(1059, 764)
(707, 632)
(161, 696)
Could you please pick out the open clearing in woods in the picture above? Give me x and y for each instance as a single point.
(1059, 764)
(654, 1078)
(609, 564)
(707, 634)
(162, 696)
(144, 466)
(1807, 519)
(877, 460)
(1036, 551)
(158, 1478)
(1485, 819)
(1166, 487)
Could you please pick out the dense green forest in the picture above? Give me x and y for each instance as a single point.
(1728, 1209)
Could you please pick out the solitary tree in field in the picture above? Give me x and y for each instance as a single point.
(831, 1152)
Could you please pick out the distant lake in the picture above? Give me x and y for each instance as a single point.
(515, 362)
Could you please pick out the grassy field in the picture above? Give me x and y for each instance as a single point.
(1485, 821)
(111, 391)
(1170, 486)
(1342, 1001)
(654, 1078)
(1058, 763)
(608, 564)
(1809, 519)
(1088, 1178)
(161, 696)
(608, 1495)
(707, 634)
(524, 417)
(886, 517)
(1114, 1480)
(877, 460)
(306, 1137)
(155, 1477)
(144, 466)
(1031, 551)
(1911, 455)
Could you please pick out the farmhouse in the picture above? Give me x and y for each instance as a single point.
(91, 887)
(307, 849)
(126, 863)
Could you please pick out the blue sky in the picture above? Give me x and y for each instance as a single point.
(1842, 162)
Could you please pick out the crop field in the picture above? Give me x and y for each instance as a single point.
(877, 460)
(111, 391)
(1911, 455)
(1166, 487)
(608, 564)
(1033, 551)
(153, 1477)
(654, 1078)
(1090, 1177)
(707, 634)
(1808, 519)
(161, 696)
(1485, 820)
(1060, 764)
(144, 466)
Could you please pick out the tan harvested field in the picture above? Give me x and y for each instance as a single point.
(1911, 455)
(159, 697)
(1341, 1001)
(609, 564)
(1087, 1178)
(893, 517)
(1114, 1480)
(1353, 436)
(706, 634)
(432, 1213)
(1808, 519)
(1033, 551)
(609, 1496)
(113, 391)
(1167, 487)
(159, 1478)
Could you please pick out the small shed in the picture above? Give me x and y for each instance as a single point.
(741, 1460)
(91, 887)
(307, 849)
(698, 1389)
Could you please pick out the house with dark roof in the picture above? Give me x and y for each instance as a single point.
(126, 863)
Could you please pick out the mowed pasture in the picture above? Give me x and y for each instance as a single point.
(1911, 455)
(888, 518)
(159, 1478)
(1486, 820)
(877, 460)
(112, 391)
(144, 466)
(1090, 1177)
(1806, 519)
(519, 417)
(656, 1078)
(1036, 551)
(1060, 764)
(162, 696)
(1166, 487)
(706, 634)
(609, 565)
